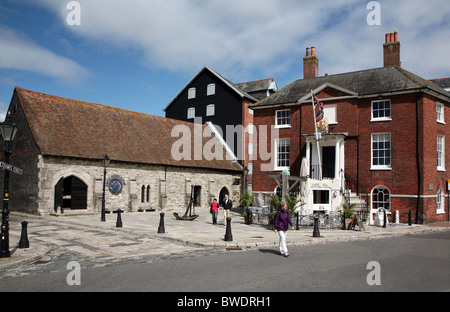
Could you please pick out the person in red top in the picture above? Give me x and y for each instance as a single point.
(214, 209)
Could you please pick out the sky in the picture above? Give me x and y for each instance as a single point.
(138, 54)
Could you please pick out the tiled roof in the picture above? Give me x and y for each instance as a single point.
(364, 82)
(72, 128)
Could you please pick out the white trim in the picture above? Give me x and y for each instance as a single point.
(372, 119)
(380, 167)
(277, 126)
(307, 97)
(275, 165)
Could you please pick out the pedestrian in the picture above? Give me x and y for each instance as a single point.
(282, 221)
(226, 204)
(214, 210)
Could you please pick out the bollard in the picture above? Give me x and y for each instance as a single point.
(161, 228)
(409, 218)
(384, 219)
(24, 243)
(297, 226)
(316, 232)
(228, 235)
(119, 218)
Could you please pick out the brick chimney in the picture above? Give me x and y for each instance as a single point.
(310, 64)
(391, 50)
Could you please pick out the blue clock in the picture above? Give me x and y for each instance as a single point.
(115, 184)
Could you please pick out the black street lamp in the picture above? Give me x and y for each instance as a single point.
(105, 162)
(9, 130)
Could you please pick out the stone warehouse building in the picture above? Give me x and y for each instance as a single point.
(61, 142)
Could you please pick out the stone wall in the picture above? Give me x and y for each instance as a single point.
(168, 188)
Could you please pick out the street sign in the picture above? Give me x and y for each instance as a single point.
(6, 166)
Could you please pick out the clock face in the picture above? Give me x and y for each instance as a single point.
(115, 184)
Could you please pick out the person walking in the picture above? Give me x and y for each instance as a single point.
(214, 209)
(226, 204)
(282, 221)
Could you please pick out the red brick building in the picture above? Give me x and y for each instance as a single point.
(384, 140)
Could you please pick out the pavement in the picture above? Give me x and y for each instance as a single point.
(83, 235)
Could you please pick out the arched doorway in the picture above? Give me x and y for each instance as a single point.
(70, 193)
(222, 193)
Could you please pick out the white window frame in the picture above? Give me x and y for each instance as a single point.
(330, 113)
(192, 93)
(384, 118)
(210, 110)
(191, 113)
(375, 204)
(440, 117)
(211, 89)
(283, 125)
(440, 148)
(378, 166)
(440, 201)
(276, 156)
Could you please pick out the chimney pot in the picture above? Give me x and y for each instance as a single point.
(391, 50)
(310, 64)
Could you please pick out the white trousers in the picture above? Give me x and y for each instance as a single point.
(226, 214)
(283, 247)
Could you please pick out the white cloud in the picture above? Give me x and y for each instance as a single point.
(20, 53)
(235, 37)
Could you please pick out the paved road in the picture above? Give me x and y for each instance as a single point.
(417, 262)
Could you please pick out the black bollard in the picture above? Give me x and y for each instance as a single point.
(316, 232)
(384, 219)
(228, 235)
(161, 228)
(24, 243)
(119, 218)
(297, 226)
(409, 218)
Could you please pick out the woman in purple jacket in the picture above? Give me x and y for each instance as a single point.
(282, 221)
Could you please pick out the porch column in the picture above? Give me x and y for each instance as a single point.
(337, 160)
(308, 157)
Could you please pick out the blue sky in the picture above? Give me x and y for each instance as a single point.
(138, 54)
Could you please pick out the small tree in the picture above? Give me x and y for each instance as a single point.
(247, 198)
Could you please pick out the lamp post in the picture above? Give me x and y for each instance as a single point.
(105, 163)
(9, 130)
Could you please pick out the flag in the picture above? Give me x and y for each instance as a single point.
(319, 115)
(317, 104)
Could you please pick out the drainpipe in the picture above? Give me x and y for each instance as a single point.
(419, 172)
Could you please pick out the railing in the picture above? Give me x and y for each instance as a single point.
(328, 172)
(362, 209)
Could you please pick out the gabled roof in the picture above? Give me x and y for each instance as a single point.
(258, 85)
(71, 128)
(230, 84)
(371, 82)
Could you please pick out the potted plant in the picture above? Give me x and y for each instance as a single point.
(348, 211)
(274, 202)
(247, 199)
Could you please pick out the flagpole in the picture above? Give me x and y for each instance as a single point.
(317, 136)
